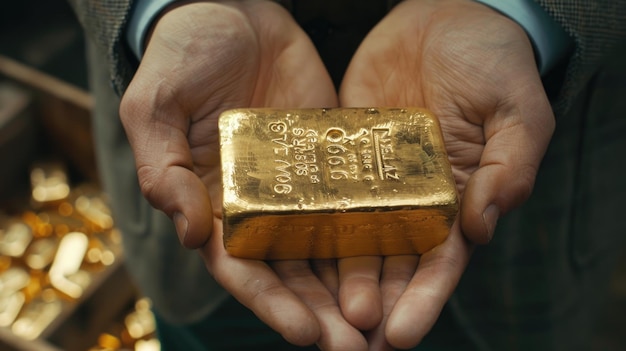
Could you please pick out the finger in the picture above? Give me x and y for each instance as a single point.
(396, 275)
(336, 332)
(326, 272)
(359, 291)
(158, 135)
(255, 285)
(516, 140)
(437, 275)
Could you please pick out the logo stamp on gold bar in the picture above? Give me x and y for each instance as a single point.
(326, 183)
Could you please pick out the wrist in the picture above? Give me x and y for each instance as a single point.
(550, 42)
(143, 16)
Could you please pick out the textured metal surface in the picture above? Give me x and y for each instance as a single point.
(322, 183)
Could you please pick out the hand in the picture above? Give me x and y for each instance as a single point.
(201, 59)
(475, 69)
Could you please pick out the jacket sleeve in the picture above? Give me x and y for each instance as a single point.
(597, 27)
(104, 22)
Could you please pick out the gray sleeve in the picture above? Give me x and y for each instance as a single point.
(104, 22)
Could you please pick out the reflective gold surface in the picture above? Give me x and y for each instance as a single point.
(41, 253)
(37, 316)
(15, 236)
(52, 249)
(323, 183)
(136, 332)
(65, 273)
(49, 183)
(140, 323)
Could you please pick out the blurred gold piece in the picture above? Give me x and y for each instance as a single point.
(108, 341)
(148, 345)
(95, 210)
(36, 317)
(100, 250)
(114, 236)
(93, 255)
(12, 280)
(14, 238)
(49, 183)
(41, 253)
(5, 263)
(107, 258)
(66, 209)
(63, 224)
(140, 323)
(11, 298)
(65, 274)
(39, 223)
(143, 304)
(38, 280)
(323, 183)
(10, 307)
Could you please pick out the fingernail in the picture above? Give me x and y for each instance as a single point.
(490, 219)
(181, 223)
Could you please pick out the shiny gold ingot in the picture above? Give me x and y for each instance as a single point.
(152, 344)
(49, 183)
(102, 250)
(36, 317)
(325, 183)
(12, 280)
(11, 298)
(65, 273)
(140, 324)
(41, 253)
(109, 342)
(95, 210)
(10, 307)
(14, 238)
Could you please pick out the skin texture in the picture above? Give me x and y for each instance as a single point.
(471, 66)
(475, 70)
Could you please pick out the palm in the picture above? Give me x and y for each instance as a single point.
(250, 54)
(259, 64)
(473, 69)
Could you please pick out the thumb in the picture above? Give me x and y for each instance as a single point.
(157, 131)
(516, 140)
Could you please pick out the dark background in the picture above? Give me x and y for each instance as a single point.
(45, 35)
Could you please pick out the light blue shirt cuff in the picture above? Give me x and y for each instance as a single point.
(548, 38)
(142, 15)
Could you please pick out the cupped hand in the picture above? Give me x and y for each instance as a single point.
(475, 70)
(201, 59)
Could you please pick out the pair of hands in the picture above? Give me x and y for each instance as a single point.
(471, 66)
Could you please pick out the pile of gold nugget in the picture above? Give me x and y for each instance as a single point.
(52, 250)
(137, 332)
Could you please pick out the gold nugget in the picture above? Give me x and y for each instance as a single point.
(327, 183)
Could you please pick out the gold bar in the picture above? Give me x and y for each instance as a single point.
(152, 344)
(95, 210)
(37, 316)
(41, 253)
(65, 273)
(13, 280)
(325, 183)
(10, 307)
(15, 236)
(109, 342)
(49, 183)
(12, 299)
